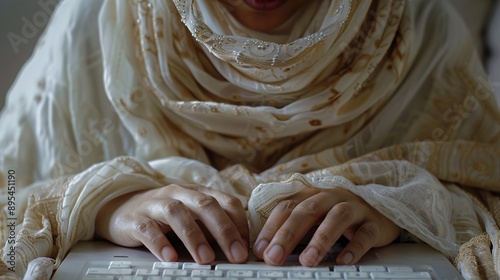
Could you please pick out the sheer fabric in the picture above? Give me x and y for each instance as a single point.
(385, 98)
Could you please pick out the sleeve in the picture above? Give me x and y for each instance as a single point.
(420, 186)
(57, 123)
(57, 119)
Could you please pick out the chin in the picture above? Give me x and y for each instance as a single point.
(265, 15)
(265, 5)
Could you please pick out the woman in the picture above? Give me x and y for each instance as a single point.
(371, 119)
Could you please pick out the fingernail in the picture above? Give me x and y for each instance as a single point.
(347, 258)
(205, 253)
(238, 251)
(276, 254)
(261, 247)
(168, 254)
(310, 255)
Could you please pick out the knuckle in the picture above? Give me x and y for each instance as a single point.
(358, 246)
(191, 232)
(286, 205)
(205, 201)
(323, 240)
(194, 187)
(369, 232)
(269, 229)
(231, 201)
(309, 208)
(173, 207)
(365, 238)
(226, 230)
(285, 235)
(169, 188)
(156, 237)
(145, 227)
(344, 211)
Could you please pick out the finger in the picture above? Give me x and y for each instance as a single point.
(278, 216)
(217, 221)
(149, 233)
(175, 214)
(234, 209)
(365, 238)
(232, 225)
(305, 215)
(339, 218)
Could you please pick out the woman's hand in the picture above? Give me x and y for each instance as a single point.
(145, 217)
(338, 212)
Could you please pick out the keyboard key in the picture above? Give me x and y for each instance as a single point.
(107, 271)
(159, 278)
(356, 275)
(271, 274)
(371, 268)
(120, 264)
(329, 275)
(345, 268)
(188, 278)
(128, 277)
(240, 273)
(264, 267)
(399, 269)
(207, 273)
(400, 275)
(98, 277)
(147, 272)
(300, 274)
(294, 279)
(171, 265)
(175, 272)
(189, 266)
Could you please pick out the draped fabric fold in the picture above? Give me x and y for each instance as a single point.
(385, 98)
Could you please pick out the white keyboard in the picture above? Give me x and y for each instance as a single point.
(126, 270)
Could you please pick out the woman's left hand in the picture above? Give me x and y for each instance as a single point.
(338, 212)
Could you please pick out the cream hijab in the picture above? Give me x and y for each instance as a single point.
(355, 94)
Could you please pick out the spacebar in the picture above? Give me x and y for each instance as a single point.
(107, 271)
(264, 267)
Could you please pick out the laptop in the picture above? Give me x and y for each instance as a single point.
(101, 260)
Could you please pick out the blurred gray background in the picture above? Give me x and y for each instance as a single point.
(17, 39)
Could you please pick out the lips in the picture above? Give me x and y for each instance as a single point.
(264, 5)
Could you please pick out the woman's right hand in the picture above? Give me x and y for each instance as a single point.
(143, 218)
